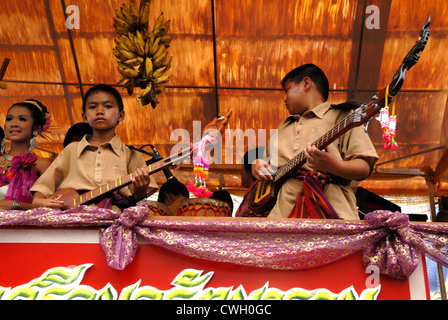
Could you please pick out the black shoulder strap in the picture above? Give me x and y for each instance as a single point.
(348, 105)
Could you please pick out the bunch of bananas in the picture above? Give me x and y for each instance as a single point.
(142, 56)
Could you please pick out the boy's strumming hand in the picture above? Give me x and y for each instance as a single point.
(261, 170)
(320, 160)
(325, 161)
(40, 201)
(140, 181)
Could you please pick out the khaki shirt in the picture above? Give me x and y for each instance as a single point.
(82, 166)
(294, 136)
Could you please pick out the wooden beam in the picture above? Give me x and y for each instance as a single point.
(59, 59)
(371, 46)
(399, 171)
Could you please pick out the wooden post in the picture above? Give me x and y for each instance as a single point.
(432, 194)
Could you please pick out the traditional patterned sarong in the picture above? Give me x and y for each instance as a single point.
(311, 202)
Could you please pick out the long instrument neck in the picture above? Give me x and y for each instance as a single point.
(339, 129)
(126, 180)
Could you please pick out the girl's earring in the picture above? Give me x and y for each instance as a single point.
(3, 147)
(33, 142)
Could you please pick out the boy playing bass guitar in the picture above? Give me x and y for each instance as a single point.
(321, 147)
(351, 157)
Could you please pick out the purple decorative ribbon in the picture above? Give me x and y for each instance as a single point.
(388, 239)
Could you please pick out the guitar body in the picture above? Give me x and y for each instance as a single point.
(263, 197)
(69, 196)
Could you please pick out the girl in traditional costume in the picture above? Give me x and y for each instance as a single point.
(19, 166)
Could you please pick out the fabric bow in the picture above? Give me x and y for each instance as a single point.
(394, 253)
(119, 241)
(23, 175)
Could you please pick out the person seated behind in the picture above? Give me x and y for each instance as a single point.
(247, 179)
(171, 194)
(19, 166)
(97, 159)
(77, 132)
(224, 196)
(351, 157)
(2, 135)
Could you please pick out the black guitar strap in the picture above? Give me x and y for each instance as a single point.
(348, 105)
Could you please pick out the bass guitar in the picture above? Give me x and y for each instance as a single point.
(73, 199)
(263, 194)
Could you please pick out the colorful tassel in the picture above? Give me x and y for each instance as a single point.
(389, 124)
(200, 171)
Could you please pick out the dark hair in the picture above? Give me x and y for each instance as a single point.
(2, 133)
(78, 129)
(37, 109)
(314, 73)
(174, 187)
(223, 196)
(103, 88)
(250, 156)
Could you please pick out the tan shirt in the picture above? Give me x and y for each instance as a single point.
(83, 167)
(293, 138)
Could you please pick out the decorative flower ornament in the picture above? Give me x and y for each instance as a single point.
(200, 171)
(389, 123)
(46, 117)
(46, 126)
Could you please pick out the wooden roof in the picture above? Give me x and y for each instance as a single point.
(232, 53)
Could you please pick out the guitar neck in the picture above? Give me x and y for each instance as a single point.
(352, 120)
(127, 180)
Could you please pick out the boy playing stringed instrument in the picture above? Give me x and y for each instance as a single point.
(98, 159)
(351, 157)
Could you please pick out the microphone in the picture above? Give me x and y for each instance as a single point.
(166, 171)
(155, 155)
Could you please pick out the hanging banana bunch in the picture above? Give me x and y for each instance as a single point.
(142, 55)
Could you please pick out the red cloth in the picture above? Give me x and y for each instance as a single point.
(311, 202)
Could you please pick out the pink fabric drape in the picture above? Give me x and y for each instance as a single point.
(388, 239)
(20, 177)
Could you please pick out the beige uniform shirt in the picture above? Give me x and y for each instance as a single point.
(293, 137)
(83, 167)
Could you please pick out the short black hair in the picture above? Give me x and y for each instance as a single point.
(103, 88)
(250, 156)
(172, 186)
(223, 196)
(314, 73)
(78, 129)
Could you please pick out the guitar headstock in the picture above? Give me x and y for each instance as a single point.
(410, 59)
(218, 124)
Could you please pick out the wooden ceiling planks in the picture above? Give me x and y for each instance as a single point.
(405, 22)
(260, 41)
